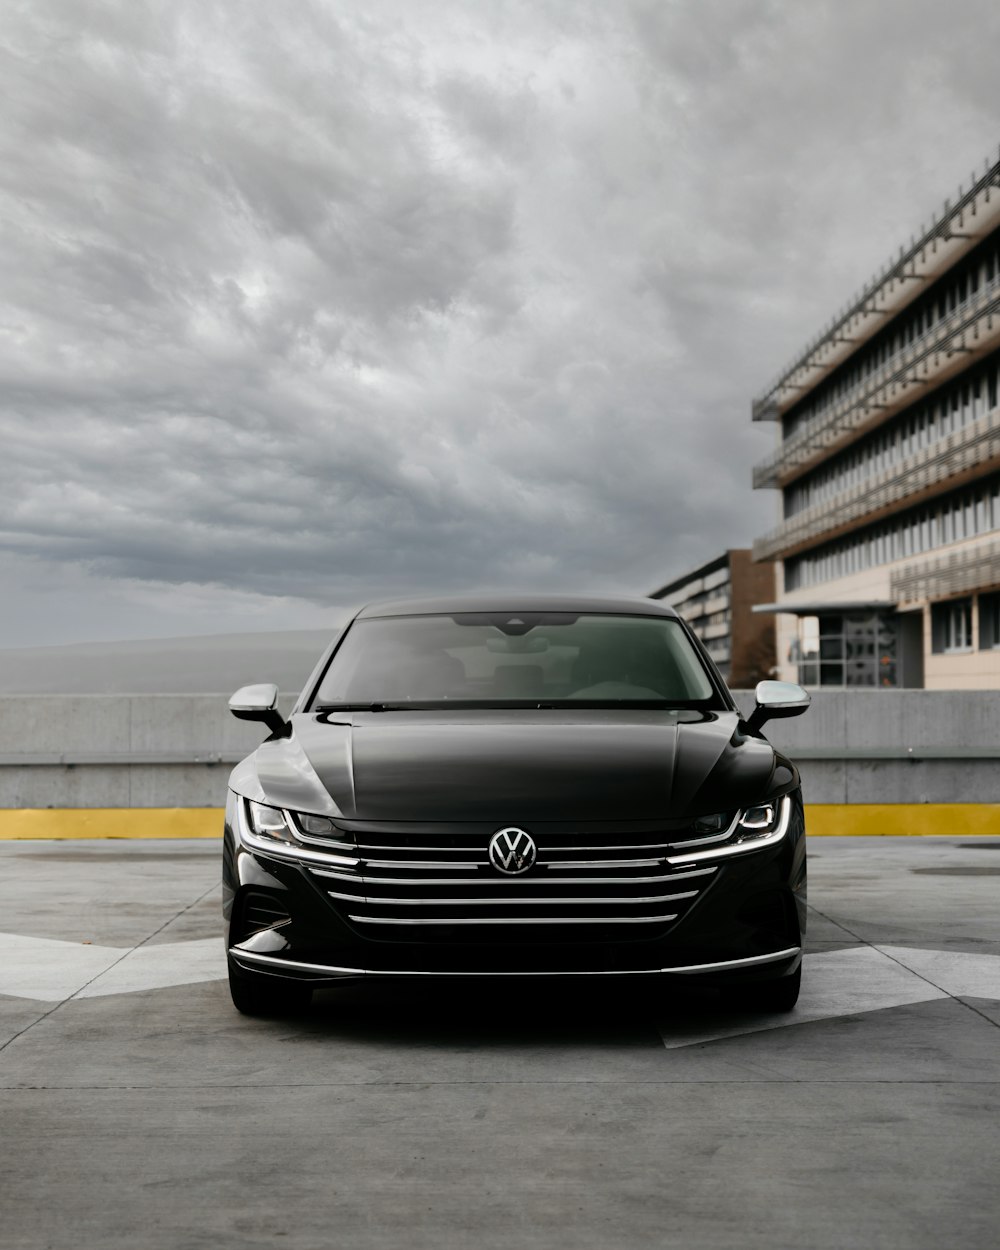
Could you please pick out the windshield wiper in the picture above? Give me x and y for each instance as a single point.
(359, 707)
(513, 705)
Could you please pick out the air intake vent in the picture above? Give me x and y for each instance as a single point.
(262, 911)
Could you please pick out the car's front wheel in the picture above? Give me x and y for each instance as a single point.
(780, 994)
(257, 994)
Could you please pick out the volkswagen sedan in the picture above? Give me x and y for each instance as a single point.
(527, 786)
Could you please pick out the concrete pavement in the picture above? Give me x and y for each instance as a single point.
(140, 1110)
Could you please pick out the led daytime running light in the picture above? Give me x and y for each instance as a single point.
(760, 817)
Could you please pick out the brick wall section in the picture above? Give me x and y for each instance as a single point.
(753, 634)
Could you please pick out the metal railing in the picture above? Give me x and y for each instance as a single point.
(977, 443)
(955, 574)
(948, 225)
(947, 336)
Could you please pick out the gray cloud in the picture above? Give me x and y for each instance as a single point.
(307, 303)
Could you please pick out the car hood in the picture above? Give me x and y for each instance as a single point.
(516, 766)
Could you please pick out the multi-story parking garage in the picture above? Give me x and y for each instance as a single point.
(888, 465)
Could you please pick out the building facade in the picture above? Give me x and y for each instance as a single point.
(717, 601)
(888, 463)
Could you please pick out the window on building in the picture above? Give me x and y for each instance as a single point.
(951, 627)
(850, 649)
(989, 622)
(974, 511)
(956, 405)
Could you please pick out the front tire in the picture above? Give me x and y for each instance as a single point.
(778, 995)
(257, 994)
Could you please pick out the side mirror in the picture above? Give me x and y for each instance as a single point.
(777, 699)
(258, 703)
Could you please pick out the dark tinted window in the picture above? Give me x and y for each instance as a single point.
(551, 658)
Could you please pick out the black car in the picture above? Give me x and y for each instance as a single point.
(514, 786)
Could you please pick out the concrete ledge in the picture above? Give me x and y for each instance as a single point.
(153, 752)
(822, 820)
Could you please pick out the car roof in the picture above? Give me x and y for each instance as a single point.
(507, 601)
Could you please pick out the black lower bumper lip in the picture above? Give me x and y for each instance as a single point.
(300, 969)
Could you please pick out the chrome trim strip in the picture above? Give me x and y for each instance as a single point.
(715, 837)
(378, 847)
(742, 848)
(604, 863)
(549, 849)
(508, 884)
(439, 864)
(507, 902)
(596, 920)
(302, 854)
(334, 970)
(773, 958)
(316, 840)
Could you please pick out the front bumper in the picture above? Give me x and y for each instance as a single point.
(747, 924)
(777, 963)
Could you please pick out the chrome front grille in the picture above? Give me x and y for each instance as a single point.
(445, 883)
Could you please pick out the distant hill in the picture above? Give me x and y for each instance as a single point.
(212, 664)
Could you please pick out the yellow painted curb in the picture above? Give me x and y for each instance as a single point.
(822, 820)
(880, 820)
(112, 822)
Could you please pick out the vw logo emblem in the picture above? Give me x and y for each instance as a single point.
(512, 850)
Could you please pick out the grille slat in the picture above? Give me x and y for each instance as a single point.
(443, 881)
(514, 902)
(504, 882)
(570, 865)
(506, 920)
(435, 865)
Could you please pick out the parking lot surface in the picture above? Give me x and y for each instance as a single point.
(140, 1110)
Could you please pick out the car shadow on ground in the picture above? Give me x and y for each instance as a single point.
(513, 1014)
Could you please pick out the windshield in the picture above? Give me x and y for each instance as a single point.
(551, 658)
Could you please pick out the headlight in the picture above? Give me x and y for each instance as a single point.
(751, 820)
(760, 819)
(268, 822)
(274, 825)
(733, 833)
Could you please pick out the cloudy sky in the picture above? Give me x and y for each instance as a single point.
(309, 302)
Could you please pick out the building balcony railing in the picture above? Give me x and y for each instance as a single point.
(894, 385)
(703, 607)
(718, 603)
(956, 230)
(973, 448)
(959, 573)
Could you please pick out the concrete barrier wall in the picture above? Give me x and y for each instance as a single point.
(156, 751)
(120, 750)
(894, 746)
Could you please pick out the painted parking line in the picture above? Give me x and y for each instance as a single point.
(159, 967)
(50, 971)
(961, 975)
(857, 980)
